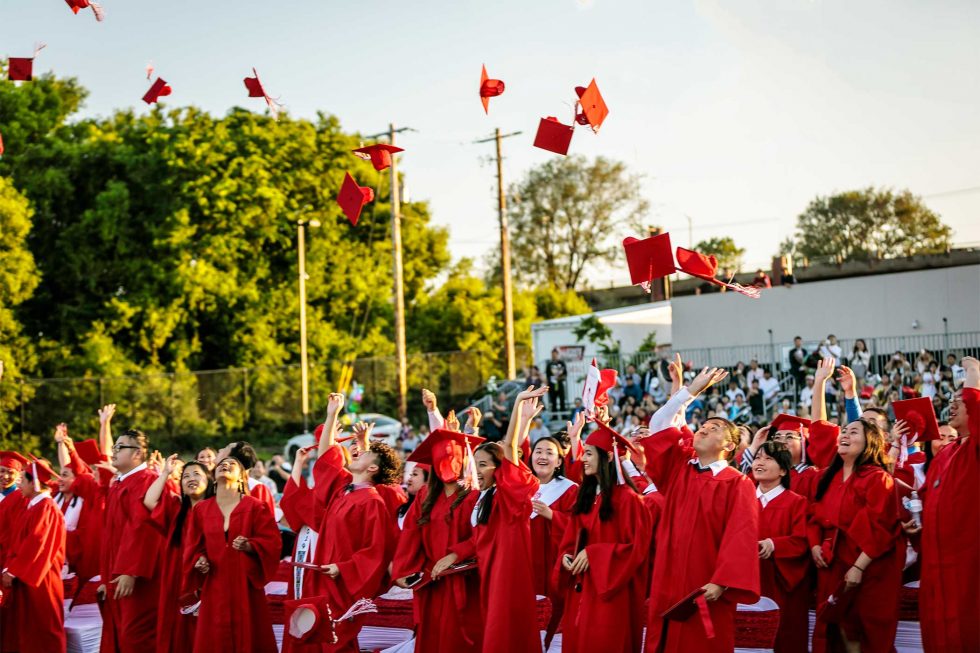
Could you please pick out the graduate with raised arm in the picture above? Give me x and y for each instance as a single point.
(357, 535)
(501, 540)
(391, 492)
(949, 602)
(170, 514)
(708, 531)
(447, 611)
(783, 552)
(12, 503)
(246, 453)
(604, 552)
(130, 551)
(32, 568)
(233, 541)
(299, 509)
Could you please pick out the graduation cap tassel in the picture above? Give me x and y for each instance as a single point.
(802, 445)
(37, 480)
(38, 47)
(619, 465)
(361, 606)
(98, 11)
(748, 291)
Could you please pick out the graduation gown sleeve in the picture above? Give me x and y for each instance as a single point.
(39, 546)
(739, 543)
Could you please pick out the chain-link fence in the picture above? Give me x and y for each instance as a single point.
(187, 410)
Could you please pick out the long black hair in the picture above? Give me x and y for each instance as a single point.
(778, 452)
(873, 454)
(185, 501)
(495, 451)
(435, 487)
(605, 479)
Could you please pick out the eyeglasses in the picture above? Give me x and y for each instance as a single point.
(785, 438)
(118, 447)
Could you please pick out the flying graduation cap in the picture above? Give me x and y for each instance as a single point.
(159, 89)
(255, 89)
(593, 107)
(21, 69)
(706, 267)
(78, 5)
(489, 88)
(553, 136)
(379, 154)
(352, 198)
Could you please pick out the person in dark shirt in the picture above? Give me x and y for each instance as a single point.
(556, 372)
(756, 400)
(797, 363)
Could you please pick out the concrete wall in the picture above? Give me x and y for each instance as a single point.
(871, 306)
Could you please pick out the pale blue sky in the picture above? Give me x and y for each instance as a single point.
(737, 112)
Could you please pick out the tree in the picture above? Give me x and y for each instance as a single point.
(594, 331)
(569, 213)
(724, 249)
(870, 223)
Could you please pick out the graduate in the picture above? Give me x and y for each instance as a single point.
(447, 611)
(708, 531)
(32, 570)
(551, 508)
(501, 540)
(604, 552)
(783, 553)
(949, 610)
(243, 451)
(129, 567)
(357, 534)
(12, 503)
(300, 512)
(416, 478)
(391, 493)
(170, 515)
(853, 534)
(234, 542)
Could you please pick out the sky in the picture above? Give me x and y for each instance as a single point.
(735, 112)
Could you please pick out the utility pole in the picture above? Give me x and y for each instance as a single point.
(505, 254)
(304, 369)
(399, 285)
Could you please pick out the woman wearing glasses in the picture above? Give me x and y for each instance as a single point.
(234, 541)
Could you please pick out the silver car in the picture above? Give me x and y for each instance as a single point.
(386, 430)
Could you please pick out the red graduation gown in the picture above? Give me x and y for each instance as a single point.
(546, 536)
(175, 631)
(11, 508)
(130, 546)
(609, 610)
(447, 611)
(949, 607)
(783, 574)
(234, 614)
(503, 552)
(393, 496)
(260, 492)
(35, 557)
(860, 515)
(709, 533)
(358, 534)
(85, 542)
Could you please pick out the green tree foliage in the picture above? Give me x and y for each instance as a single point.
(569, 213)
(724, 249)
(592, 329)
(870, 223)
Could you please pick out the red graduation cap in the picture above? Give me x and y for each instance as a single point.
(649, 258)
(920, 417)
(594, 109)
(784, 422)
(446, 452)
(379, 154)
(309, 620)
(42, 473)
(705, 267)
(255, 89)
(159, 89)
(489, 88)
(352, 198)
(13, 460)
(612, 443)
(553, 136)
(77, 5)
(88, 451)
(21, 69)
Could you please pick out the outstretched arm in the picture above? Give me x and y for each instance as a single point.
(105, 428)
(517, 428)
(328, 439)
(825, 369)
(155, 491)
(60, 438)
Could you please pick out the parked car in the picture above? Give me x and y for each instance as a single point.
(386, 430)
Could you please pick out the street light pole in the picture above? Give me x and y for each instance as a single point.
(396, 255)
(303, 359)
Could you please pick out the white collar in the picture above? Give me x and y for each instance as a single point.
(138, 468)
(715, 467)
(766, 497)
(38, 498)
(551, 491)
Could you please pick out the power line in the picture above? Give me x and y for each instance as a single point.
(958, 191)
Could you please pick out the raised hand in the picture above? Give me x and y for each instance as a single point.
(475, 416)
(302, 456)
(531, 393)
(452, 422)
(335, 402)
(106, 413)
(362, 430)
(170, 464)
(707, 377)
(676, 370)
(899, 428)
(825, 369)
(429, 400)
(972, 368)
(845, 376)
(61, 433)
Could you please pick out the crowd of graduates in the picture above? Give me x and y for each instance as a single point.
(643, 541)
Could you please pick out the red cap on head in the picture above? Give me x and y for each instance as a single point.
(12, 460)
(352, 198)
(920, 417)
(159, 89)
(88, 451)
(603, 438)
(594, 110)
(649, 258)
(379, 154)
(489, 88)
(784, 422)
(553, 136)
(705, 267)
(42, 472)
(445, 451)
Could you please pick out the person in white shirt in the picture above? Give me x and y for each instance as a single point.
(538, 431)
(830, 349)
(806, 394)
(754, 373)
(734, 391)
(769, 385)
